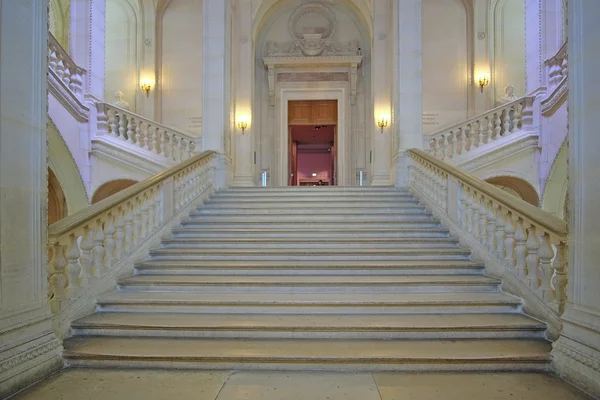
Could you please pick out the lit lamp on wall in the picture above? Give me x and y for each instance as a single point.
(243, 122)
(146, 86)
(382, 122)
(483, 80)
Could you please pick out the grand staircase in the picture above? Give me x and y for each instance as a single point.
(310, 278)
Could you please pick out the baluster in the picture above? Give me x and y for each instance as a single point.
(450, 145)
(174, 140)
(60, 69)
(463, 206)
(509, 243)
(481, 125)
(99, 251)
(440, 151)
(180, 146)
(57, 278)
(120, 243)
(564, 68)
(491, 228)
(137, 220)
(131, 126)
(73, 268)
(490, 129)
(546, 254)
(520, 249)
(192, 147)
(144, 216)
(444, 190)
(483, 222)
(166, 146)
(86, 245)
(506, 122)
(475, 215)
(516, 118)
(109, 242)
(52, 60)
(468, 211)
(432, 143)
(129, 227)
(475, 143)
(157, 142)
(66, 78)
(497, 125)
(122, 126)
(140, 136)
(532, 258)
(559, 280)
(112, 123)
(459, 141)
(152, 210)
(158, 221)
(500, 236)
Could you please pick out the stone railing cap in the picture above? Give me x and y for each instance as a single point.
(543, 219)
(65, 225)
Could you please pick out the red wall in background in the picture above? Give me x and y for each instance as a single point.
(314, 162)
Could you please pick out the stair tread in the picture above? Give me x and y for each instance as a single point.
(310, 298)
(321, 251)
(321, 264)
(302, 349)
(307, 279)
(308, 239)
(405, 322)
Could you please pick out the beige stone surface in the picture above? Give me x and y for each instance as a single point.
(299, 386)
(474, 386)
(94, 384)
(98, 384)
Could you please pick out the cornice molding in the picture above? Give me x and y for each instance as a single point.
(65, 96)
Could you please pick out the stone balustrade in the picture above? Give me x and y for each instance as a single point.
(557, 68)
(460, 139)
(144, 133)
(91, 244)
(528, 244)
(65, 69)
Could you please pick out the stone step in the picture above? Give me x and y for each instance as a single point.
(327, 189)
(310, 303)
(323, 204)
(341, 211)
(226, 284)
(349, 225)
(323, 354)
(308, 243)
(339, 198)
(310, 218)
(312, 267)
(301, 234)
(326, 326)
(333, 255)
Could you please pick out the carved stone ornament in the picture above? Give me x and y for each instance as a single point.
(312, 19)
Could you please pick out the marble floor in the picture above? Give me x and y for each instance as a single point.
(95, 384)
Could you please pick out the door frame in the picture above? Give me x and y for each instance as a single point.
(339, 94)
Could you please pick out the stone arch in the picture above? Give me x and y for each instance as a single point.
(63, 166)
(517, 187)
(57, 202)
(269, 8)
(554, 196)
(496, 7)
(111, 187)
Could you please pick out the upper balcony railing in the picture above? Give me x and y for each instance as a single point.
(557, 70)
(485, 128)
(143, 134)
(65, 69)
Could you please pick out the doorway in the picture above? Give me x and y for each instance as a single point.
(312, 142)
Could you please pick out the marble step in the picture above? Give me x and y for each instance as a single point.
(322, 354)
(310, 218)
(308, 243)
(310, 303)
(325, 326)
(327, 254)
(341, 211)
(349, 224)
(310, 267)
(226, 284)
(340, 198)
(328, 189)
(307, 231)
(323, 204)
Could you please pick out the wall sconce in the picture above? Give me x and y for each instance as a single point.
(382, 122)
(483, 81)
(243, 122)
(146, 86)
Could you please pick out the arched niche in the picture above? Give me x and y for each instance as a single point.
(63, 166)
(122, 50)
(507, 41)
(179, 64)
(447, 62)
(57, 202)
(270, 94)
(111, 187)
(517, 187)
(554, 196)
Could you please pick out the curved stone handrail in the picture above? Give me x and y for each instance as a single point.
(475, 132)
(557, 70)
(90, 244)
(530, 244)
(144, 133)
(60, 62)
